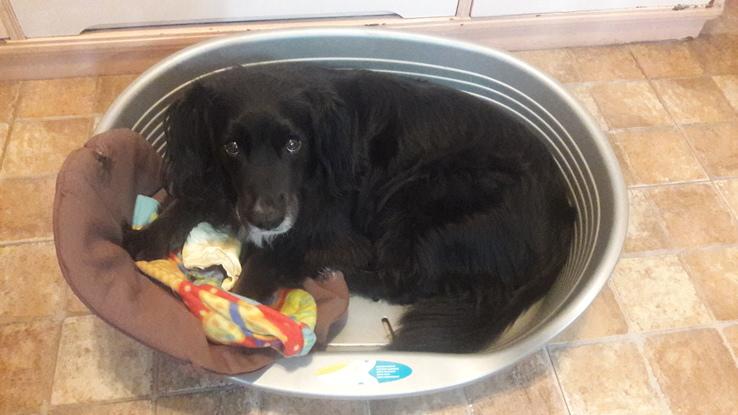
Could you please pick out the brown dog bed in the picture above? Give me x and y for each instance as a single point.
(95, 193)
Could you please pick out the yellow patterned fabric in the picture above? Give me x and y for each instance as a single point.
(286, 326)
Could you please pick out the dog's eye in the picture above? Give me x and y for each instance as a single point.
(293, 145)
(231, 149)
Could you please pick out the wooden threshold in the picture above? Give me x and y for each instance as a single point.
(133, 50)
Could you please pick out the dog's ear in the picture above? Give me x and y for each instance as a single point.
(191, 125)
(333, 147)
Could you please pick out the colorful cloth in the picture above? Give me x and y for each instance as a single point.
(144, 211)
(228, 318)
(196, 276)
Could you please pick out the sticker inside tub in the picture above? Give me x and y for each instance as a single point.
(363, 372)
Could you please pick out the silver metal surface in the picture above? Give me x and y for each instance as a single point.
(581, 151)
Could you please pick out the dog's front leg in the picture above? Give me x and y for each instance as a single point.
(264, 273)
(156, 239)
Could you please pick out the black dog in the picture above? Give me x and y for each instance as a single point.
(420, 194)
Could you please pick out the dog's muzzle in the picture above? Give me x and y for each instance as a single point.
(268, 212)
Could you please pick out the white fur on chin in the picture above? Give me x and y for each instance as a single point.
(261, 237)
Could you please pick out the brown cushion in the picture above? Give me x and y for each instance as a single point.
(95, 193)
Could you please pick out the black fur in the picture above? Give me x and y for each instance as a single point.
(420, 194)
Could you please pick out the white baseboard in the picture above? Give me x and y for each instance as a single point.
(133, 50)
(582, 29)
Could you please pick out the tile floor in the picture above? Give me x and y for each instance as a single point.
(662, 338)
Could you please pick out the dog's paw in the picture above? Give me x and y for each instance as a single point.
(131, 241)
(144, 244)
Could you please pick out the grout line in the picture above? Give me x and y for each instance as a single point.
(366, 403)
(460, 392)
(469, 403)
(698, 289)
(711, 178)
(671, 126)
(726, 343)
(652, 380)
(725, 97)
(641, 335)
(53, 318)
(94, 404)
(670, 184)
(619, 303)
(645, 77)
(60, 117)
(28, 176)
(658, 216)
(558, 381)
(722, 196)
(37, 240)
(11, 124)
(198, 390)
(678, 251)
(56, 362)
(155, 360)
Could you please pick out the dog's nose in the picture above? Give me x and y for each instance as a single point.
(267, 213)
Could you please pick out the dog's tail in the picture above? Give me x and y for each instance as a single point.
(468, 322)
(463, 323)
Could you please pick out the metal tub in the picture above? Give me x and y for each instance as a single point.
(354, 366)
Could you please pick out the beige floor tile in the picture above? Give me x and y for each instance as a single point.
(666, 59)
(27, 214)
(609, 378)
(444, 403)
(528, 388)
(695, 371)
(657, 293)
(606, 63)
(694, 100)
(718, 54)
(8, 97)
(175, 376)
(272, 404)
(629, 104)
(241, 401)
(72, 303)
(716, 146)
(56, 97)
(27, 355)
(90, 349)
(729, 190)
(39, 147)
(694, 215)
(123, 408)
(715, 272)
(602, 318)
(729, 85)
(654, 156)
(558, 63)
(623, 161)
(29, 292)
(583, 94)
(731, 335)
(108, 88)
(645, 225)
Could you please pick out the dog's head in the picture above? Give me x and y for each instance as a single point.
(259, 139)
